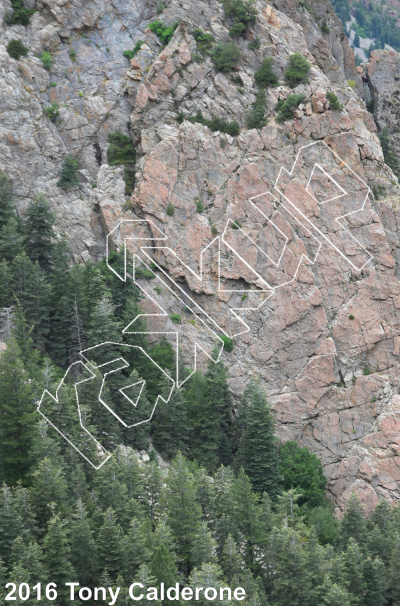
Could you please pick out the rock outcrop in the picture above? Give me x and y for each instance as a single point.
(324, 332)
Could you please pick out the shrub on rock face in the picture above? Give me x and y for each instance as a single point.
(216, 124)
(68, 177)
(52, 112)
(46, 59)
(122, 151)
(225, 56)
(204, 41)
(264, 76)
(20, 15)
(334, 102)
(256, 116)
(162, 31)
(286, 108)
(297, 70)
(243, 13)
(15, 49)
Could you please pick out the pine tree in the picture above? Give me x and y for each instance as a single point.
(110, 545)
(136, 546)
(30, 557)
(209, 575)
(49, 486)
(18, 575)
(39, 232)
(247, 517)
(204, 423)
(3, 577)
(108, 428)
(169, 423)
(203, 549)
(11, 240)
(258, 452)
(218, 391)
(183, 511)
(110, 491)
(34, 294)
(6, 200)
(353, 571)
(83, 546)
(56, 559)
(352, 523)
(23, 507)
(153, 485)
(163, 567)
(11, 525)
(68, 177)
(137, 437)
(22, 332)
(17, 415)
(145, 577)
(374, 582)
(292, 574)
(394, 571)
(334, 595)
(231, 560)
(129, 471)
(6, 295)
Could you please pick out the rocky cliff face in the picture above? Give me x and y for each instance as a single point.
(306, 282)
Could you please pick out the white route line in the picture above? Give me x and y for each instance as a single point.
(159, 236)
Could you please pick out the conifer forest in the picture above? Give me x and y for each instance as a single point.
(230, 505)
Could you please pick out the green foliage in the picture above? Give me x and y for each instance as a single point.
(68, 177)
(17, 414)
(121, 150)
(324, 28)
(389, 154)
(258, 449)
(302, 470)
(163, 32)
(170, 209)
(370, 106)
(334, 102)
(351, 317)
(243, 13)
(129, 54)
(39, 232)
(52, 112)
(264, 76)
(286, 108)
(176, 318)
(180, 117)
(255, 44)
(15, 49)
(256, 116)
(225, 56)
(47, 59)
(72, 54)
(160, 7)
(6, 200)
(204, 41)
(356, 41)
(217, 124)
(199, 206)
(297, 70)
(366, 371)
(228, 343)
(351, 83)
(20, 14)
(137, 47)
